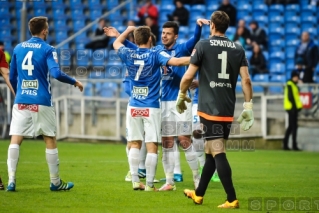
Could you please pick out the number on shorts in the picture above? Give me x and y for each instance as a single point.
(27, 63)
(140, 68)
(223, 57)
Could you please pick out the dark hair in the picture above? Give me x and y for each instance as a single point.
(37, 24)
(220, 20)
(172, 24)
(142, 35)
(254, 22)
(153, 39)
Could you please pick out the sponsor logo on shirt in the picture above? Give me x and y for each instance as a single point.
(30, 84)
(30, 107)
(140, 91)
(31, 45)
(140, 112)
(214, 84)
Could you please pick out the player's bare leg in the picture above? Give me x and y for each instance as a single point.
(52, 159)
(191, 157)
(168, 163)
(13, 158)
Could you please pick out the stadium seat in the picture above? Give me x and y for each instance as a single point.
(198, 8)
(276, 10)
(59, 13)
(260, 9)
(4, 11)
(60, 24)
(61, 36)
(277, 43)
(99, 57)
(76, 4)
(309, 19)
(111, 3)
(40, 12)
(290, 52)
(123, 94)
(239, 89)
(114, 70)
(277, 68)
(5, 23)
(94, 3)
(310, 9)
(275, 89)
(277, 57)
(212, 8)
(278, 78)
(290, 64)
(244, 7)
(293, 20)
(258, 89)
(292, 30)
(293, 7)
(261, 78)
(113, 56)
(278, 19)
(76, 13)
(95, 14)
(88, 89)
(108, 90)
(292, 42)
(262, 20)
(82, 57)
(78, 24)
(248, 54)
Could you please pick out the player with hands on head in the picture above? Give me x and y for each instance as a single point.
(144, 112)
(219, 61)
(33, 114)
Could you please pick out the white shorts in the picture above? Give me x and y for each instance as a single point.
(140, 121)
(196, 121)
(33, 120)
(173, 123)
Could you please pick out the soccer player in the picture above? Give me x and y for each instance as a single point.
(170, 86)
(5, 74)
(4, 70)
(198, 140)
(143, 113)
(127, 89)
(32, 64)
(219, 62)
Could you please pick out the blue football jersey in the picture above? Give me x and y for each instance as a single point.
(144, 74)
(31, 62)
(195, 97)
(172, 75)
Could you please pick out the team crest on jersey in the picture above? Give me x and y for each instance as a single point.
(173, 53)
(140, 112)
(55, 56)
(193, 52)
(165, 54)
(30, 84)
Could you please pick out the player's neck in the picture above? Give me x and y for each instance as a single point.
(143, 46)
(37, 36)
(171, 46)
(219, 35)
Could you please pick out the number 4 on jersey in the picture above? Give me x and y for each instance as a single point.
(27, 63)
(223, 57)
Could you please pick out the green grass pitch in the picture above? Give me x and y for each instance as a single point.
(98, 172)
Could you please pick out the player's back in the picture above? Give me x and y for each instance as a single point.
(32, 60)
(219, 71)
(143, 71)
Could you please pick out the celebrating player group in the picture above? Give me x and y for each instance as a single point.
(159, 109)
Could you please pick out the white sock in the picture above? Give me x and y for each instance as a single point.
(199, 148)
(53, 163)
(133, 159)
(191, 158)
(151, 165)
(177, 157)
(168, 164)
(13, 158)
(142, 156)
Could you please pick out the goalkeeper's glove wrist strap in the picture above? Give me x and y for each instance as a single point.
(248, 105)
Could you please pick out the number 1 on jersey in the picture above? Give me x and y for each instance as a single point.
(27, 63)
(223, 57)
(140, 68)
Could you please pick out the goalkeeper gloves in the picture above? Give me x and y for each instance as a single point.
(180, 102)
(246, 118)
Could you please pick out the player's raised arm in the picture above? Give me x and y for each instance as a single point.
(190, 44)
(182, 61)
(121, 39)
(112, 32)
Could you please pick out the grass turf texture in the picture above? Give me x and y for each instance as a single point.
(98, 172)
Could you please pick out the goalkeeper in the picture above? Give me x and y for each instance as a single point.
(219, 62)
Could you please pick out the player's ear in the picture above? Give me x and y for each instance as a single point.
(176, 36)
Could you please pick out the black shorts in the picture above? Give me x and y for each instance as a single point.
(215, 129)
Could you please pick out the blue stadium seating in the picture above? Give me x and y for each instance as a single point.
(61, 36)
(309, 9)
(88, 89)
(276, 90)
(276, 10)
(258, 89)
(76, 4)
(293, 7)
(83, 57)
(95, 13)
(278, 78)
(261, 78)
(277, 57)
(260, 9)
(59, 13)
(94, 3)
(290, 64)
(278, 68)
(108, 90)
(244, 7)
(290, 52)
(4, 11)
(99, 57)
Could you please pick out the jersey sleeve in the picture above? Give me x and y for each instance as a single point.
(52, 58)
(122, 53)
(197, 54)
(163, 58)
(244, 61)
(3, 62)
